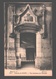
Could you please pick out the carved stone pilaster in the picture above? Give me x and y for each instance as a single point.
(18, 55)
(38, 50)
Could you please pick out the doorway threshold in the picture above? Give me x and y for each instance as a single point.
(28, 60)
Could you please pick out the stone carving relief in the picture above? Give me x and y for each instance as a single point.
(38, 12)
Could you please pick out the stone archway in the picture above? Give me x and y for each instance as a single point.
(23, 47)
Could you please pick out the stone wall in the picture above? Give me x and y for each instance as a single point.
(45, 61)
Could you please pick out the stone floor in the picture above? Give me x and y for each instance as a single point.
(28, 65)
(27, 69)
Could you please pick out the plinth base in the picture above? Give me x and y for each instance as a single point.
(11, 64)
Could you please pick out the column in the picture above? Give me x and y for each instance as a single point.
(23, 53)
(18, 55)
(43, 29)
(38, 50)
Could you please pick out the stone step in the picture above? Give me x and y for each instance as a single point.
(27, 60)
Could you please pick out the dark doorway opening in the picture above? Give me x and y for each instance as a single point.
(27, 40)
(30, 53)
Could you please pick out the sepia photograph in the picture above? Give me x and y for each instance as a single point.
(28, 39)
